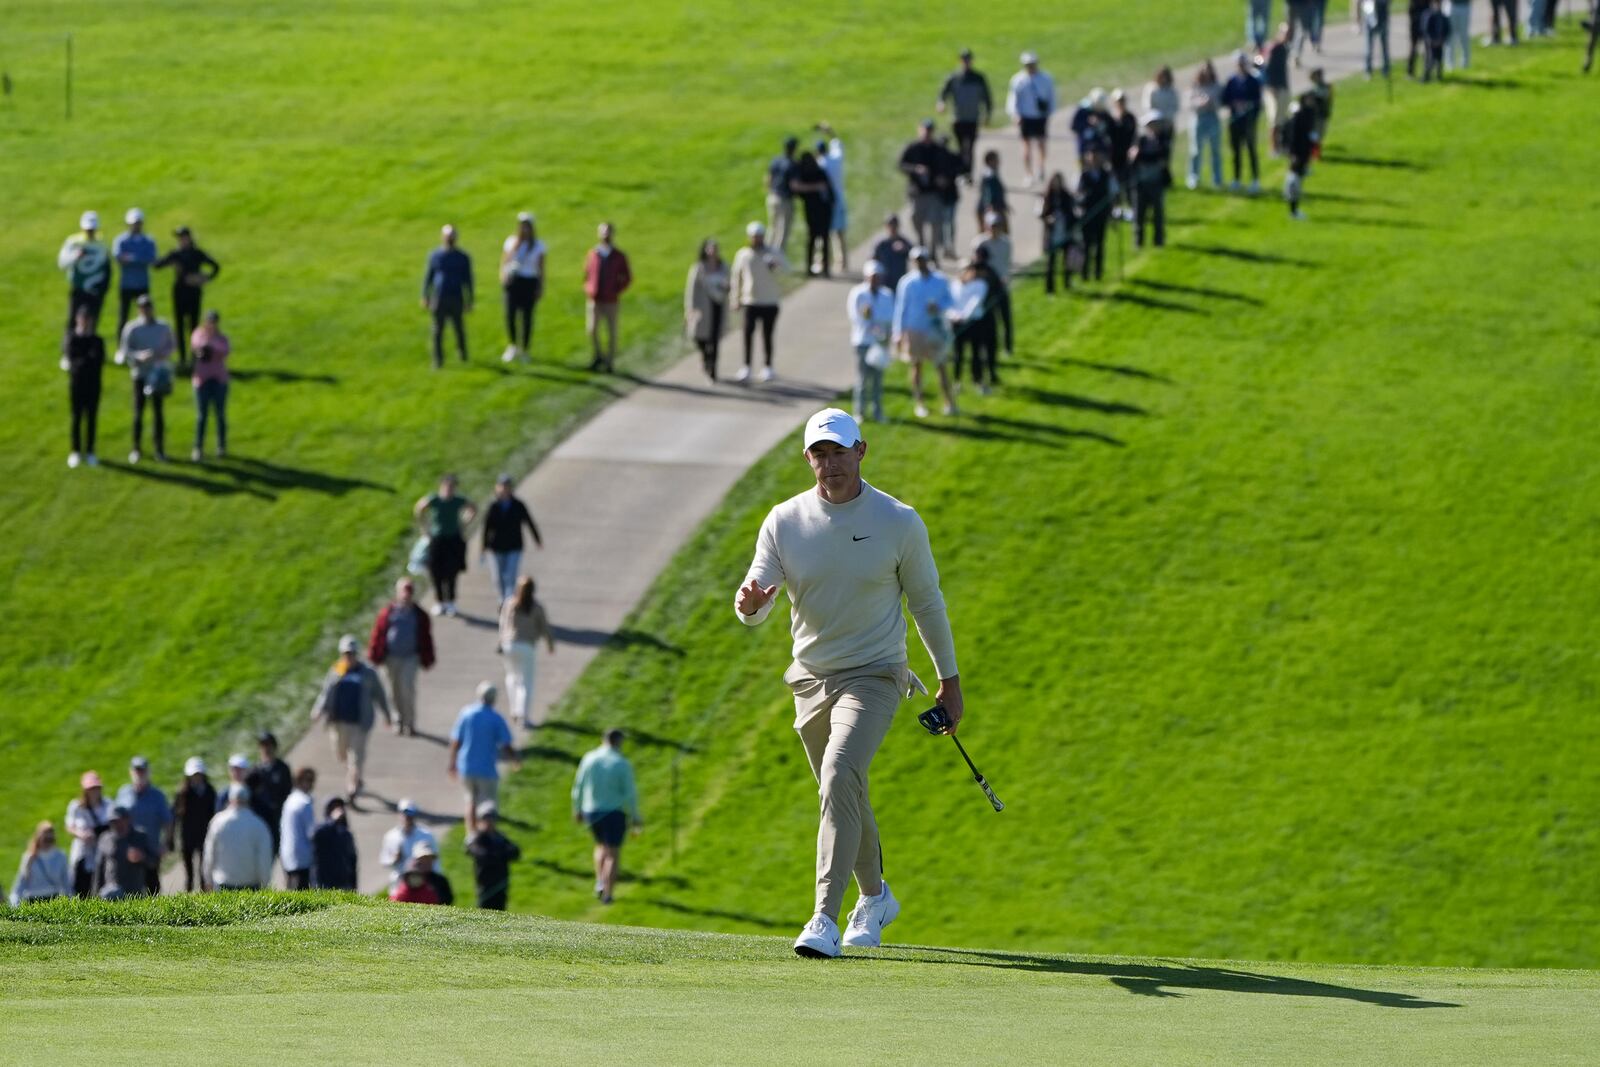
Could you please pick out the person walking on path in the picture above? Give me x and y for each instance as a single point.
(347, 704)
(991, 199)
(1029, 101)
(754, 289)
(1258, 18)
(83, 361)
(193, 269)
(847, 554)
(401, 643)
(1242, 97)
(401, 841)
(43, 873)
(447, 293)
(296, 825)
(146, 348)
(1123, 132)
(966, 93)
(705, 303)
(830, 154)
(1150, 174)
(443, 517)
(522, 626)
(333, 850)
(810, 183)
(238, 771)
(503, 522)
(152, 816)
(780, 199)
(870, 307)
(1097, 192)
(921, 162)
(270, 781)
(87, 818)
(892, 251)
(1417, 13)
(1205, 126)
(606, 799)
(1275, 82)
(478, 740)
(1375, 29)
(87, 265)
(1435, 32)
(211, 349)
(972, 325)
(238, 852)
(993, 251)
(948, 183)
(606, 276)
(522, 281)
(492, 854)
(1458, 48)
(194, 805)
(135, 253)
(919, 334)
(125, 863)
(1059, 215)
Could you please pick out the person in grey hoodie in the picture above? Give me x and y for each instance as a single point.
(146, 348)
(351, 694)
(238, 852)
(967, 93)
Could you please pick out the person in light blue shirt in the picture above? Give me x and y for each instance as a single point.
(297, 822)
(870, 306)
(605, 798)
(920, 334)
(134, 252)
(479, 738)
(151, 815)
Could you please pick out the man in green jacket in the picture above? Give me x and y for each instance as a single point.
(605, 798)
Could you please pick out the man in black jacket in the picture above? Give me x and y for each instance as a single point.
(503, 522)
(192, 269)
(194, 803)
(333, 850)
(1300, 138)
(967, 92)
(492, 855)
(123, 859)
(270, 782)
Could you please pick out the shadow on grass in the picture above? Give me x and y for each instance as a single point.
(634, 735)
(246, 469)
(1206, 291)
(624, 876)
(165, 473)
(269, 374)
(1245, 255)
(1153, 980)
(1358, 220)
(548, 753)
(1154, 303)
(1485, 83)
(1120, 369)
(1022, 431)
(716, 913)
(1077, 403)
(624, 638)
(1340, 159)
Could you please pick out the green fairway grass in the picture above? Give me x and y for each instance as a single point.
(1271, 577)
(373, 983)
(316, 148)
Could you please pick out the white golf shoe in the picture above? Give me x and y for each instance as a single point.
(819, 940)
(871, 915)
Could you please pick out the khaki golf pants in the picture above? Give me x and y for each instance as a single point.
(841, 720)
(402, 672)
(349, 748)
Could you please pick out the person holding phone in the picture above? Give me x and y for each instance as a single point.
(211, 349)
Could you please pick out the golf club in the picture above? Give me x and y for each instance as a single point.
(936, 722)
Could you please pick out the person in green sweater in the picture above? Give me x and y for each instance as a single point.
(444, 516)
(605, 798)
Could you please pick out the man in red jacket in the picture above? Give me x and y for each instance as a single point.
(605, 277)
(402, 641)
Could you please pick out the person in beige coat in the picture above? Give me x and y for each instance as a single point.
(705, 303)
(523, 625)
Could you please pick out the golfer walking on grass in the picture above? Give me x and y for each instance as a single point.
(847, 553)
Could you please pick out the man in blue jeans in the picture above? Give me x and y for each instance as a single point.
(605, 798)
(478, 740)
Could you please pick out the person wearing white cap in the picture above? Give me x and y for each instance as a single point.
(146, 348)
(870, 307)
(194, 804)
(135, 252)
(847, 554)
(87, 265)
(346, 704)
(238, 773)
(401, 840)
(522, 278)
(447, 293)
(238, 852)
(1029, 101)
(753, 288)
(920, 335)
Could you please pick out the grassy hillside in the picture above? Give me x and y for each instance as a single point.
(1270, 572)
(359, 984)
(316, 148)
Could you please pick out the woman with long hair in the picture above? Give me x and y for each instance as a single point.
(522, 626)
(705, 302)
(1058, 212)
(43, 872)
(444, 517)
(522, 278)
(1205, 130)
(88, 816)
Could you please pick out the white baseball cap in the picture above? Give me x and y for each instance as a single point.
(134, 215)
(239, 760)
(832, 424)
(1029, 57)
(755, 229)
(89, 220)
(447, 230)
(348, 643)
(407, 806)
(872, 267)
(524, 216)
(919, 252)
(194, 765)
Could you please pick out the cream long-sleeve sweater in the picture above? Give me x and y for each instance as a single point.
(846, 568)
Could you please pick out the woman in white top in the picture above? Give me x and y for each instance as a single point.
(1161, 98)
(972, 325)
(870, 307)
(43, 872)
(523, 625)
(88, 816)
(705, 302)
(830, 154)
(522, 276)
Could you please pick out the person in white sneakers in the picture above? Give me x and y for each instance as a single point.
(753, 286)
(847, 554)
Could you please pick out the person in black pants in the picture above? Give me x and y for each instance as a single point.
(86, 356)
(975, 328)
(1416, 10)
(810, 183)
(447, 293)
(492, 855)
(1149, 159)
(1300, 138)
(522, 277)
(1242, 97)
(1060, 217)
(1096, 193)
(193, 269)
(1122, 133)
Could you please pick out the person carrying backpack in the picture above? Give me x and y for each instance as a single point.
(350, 695)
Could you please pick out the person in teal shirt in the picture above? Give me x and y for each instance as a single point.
(443, 516)
(605, 798)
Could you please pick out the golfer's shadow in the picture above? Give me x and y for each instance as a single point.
(1153, 980)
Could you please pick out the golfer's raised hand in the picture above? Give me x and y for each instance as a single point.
(754, 596)
(949, 698)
